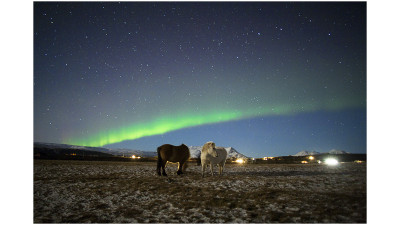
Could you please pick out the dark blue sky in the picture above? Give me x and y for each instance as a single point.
(265, 78)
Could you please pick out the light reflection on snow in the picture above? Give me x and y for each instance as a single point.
(112, 192)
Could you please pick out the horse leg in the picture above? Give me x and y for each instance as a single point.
(203, 168)
(180, 165)
(159, 169)
(163, 168)
(211, 168)
(159, 164)
(222, 165)
(185, 166)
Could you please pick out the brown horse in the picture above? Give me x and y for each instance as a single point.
(171, 153)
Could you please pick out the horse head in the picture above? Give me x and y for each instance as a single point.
(211, 149)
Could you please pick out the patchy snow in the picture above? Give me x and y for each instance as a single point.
(131, 192)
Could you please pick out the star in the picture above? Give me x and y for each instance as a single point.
(111, 71)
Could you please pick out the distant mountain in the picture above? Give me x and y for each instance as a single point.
(62, 151)
(116, 152)
(234, 153)
(332, 152)
(304, 153)
(337, 152)
(195, 152)
(43, 145)
(130, 152)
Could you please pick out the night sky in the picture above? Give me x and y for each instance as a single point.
(266, 78)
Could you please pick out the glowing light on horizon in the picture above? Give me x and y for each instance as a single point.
(240, 161)
(331, 161)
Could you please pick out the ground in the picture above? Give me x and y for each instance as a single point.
(131, 192)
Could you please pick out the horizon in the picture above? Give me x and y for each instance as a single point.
(191, 147)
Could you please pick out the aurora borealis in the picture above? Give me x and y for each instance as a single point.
(266, 78)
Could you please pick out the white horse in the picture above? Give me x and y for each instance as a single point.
(213, 156)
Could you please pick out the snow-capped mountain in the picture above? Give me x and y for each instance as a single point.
(304, 153)
(337, 152)
(195, 152)
(332, 152)
(234, 153)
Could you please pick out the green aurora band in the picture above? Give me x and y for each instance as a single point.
(162, 125)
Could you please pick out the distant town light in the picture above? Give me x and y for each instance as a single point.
(266, 158)
(304, 162)
(239, 161)
(311, 157)
(331, 161)
(135, 157)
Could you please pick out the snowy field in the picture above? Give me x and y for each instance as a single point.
(131, 192)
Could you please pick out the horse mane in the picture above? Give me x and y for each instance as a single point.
(206, 146)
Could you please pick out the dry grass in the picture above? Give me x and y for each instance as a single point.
(123, 192)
